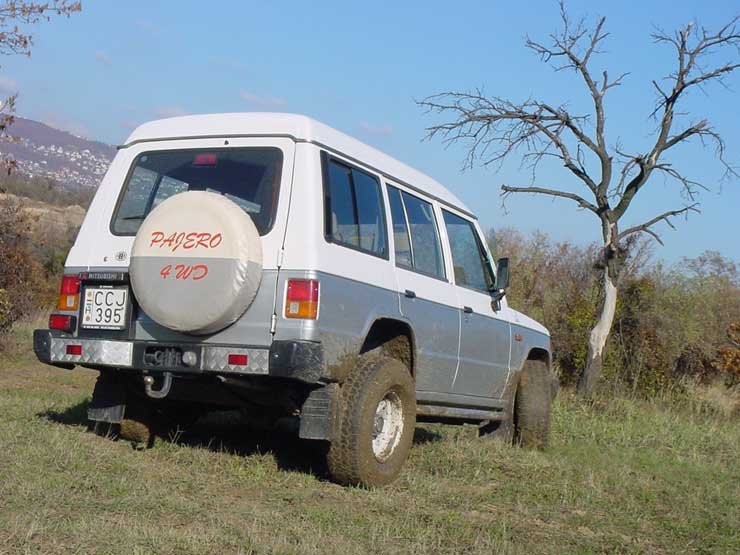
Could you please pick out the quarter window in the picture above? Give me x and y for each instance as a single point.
(355, 215)
(469, 260)
(416, 239)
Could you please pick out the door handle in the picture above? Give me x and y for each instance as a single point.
(467, 310)
(410, 294)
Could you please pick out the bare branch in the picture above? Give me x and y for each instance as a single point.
(12, 39)
(692, 46)
(583, 203)
(494, 128)
(665, 217)
(567, 45)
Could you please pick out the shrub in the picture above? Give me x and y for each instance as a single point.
(5, 311)
(670, 321)
(22, 278)
(728, 357)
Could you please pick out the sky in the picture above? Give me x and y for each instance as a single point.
(361, 66)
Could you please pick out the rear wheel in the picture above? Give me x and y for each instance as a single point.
(532, 406)
(377, 415)
(138, 423)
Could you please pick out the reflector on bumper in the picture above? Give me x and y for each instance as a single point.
(238, 361)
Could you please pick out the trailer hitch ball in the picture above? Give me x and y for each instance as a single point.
(161, 392)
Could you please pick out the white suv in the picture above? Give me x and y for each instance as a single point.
(270, 263)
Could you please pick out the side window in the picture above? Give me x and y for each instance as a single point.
(468, 256)
(417, 244)
(354, 209)
(401, 241)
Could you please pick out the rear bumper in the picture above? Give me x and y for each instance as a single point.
(301, 360)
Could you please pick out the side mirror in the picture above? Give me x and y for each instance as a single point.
(502, 282)
(502, 274)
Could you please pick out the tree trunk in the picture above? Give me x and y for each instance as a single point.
(599, 334)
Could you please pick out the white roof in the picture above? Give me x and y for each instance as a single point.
(299, 127)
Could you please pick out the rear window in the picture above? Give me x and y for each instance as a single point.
(248, 176)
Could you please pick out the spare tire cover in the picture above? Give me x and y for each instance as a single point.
(196, 262)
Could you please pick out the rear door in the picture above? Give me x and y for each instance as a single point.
(427, 299)
(485, 338)
(255, 173)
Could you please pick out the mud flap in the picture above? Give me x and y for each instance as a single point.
(317, 413)
(108, 402)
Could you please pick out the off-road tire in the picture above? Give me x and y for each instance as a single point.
(532, 406)
(138, 424)
(350, 458)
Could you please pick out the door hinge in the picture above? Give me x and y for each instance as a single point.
(281, 253)
(273, 323)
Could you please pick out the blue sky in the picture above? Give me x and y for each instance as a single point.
(359, 67)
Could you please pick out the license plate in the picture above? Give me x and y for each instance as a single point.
(105, 308)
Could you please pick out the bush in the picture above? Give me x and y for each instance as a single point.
(728, 357)
(5, 311)
(669, 324)
(23, 281)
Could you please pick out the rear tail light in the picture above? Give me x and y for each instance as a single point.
(302, 299)
(69, 293)
(62, 322)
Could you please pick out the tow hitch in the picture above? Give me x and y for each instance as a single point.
(162, 392)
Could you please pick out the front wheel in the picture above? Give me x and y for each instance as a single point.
(377, 416)
(532, 406)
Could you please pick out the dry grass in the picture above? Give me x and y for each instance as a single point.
(621, 476)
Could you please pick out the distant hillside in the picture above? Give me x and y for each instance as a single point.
(42, 151)
(49, 224)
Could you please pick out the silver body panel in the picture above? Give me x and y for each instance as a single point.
(484, 355)
(251, 328)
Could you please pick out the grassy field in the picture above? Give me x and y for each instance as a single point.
(621, 476)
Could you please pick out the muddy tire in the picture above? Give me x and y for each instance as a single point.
(532, 406)
(376, 420)
(138, 425)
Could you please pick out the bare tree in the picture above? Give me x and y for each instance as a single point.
(15, 17)
(494, 129)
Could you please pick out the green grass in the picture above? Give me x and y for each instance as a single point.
(621, 476)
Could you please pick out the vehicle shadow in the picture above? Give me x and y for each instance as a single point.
(76, 415)
(423, 435)
(228, 432)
